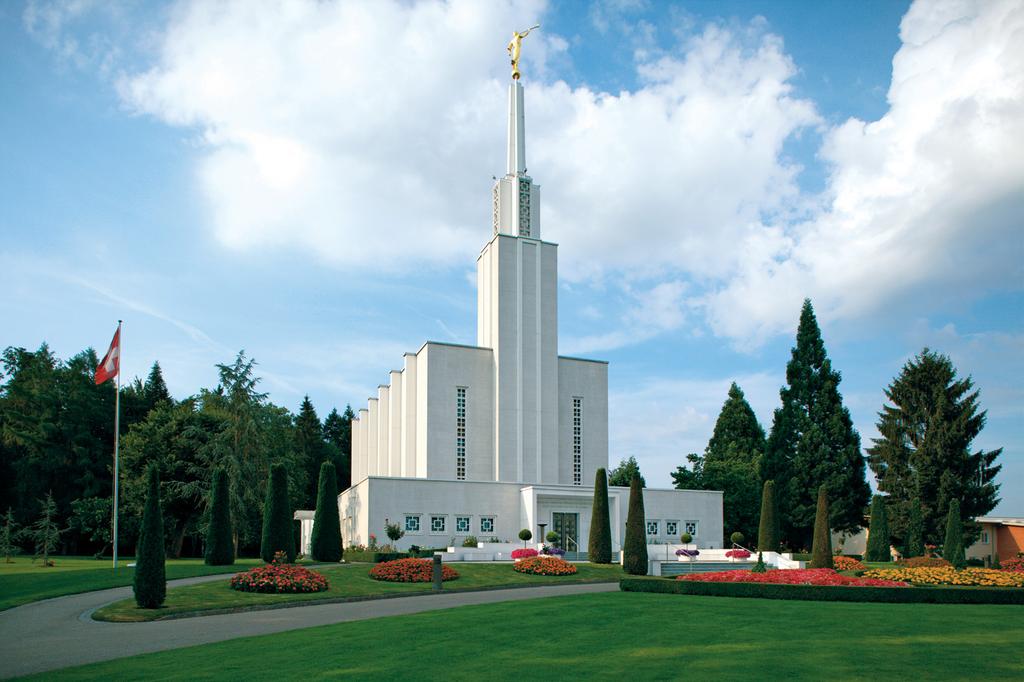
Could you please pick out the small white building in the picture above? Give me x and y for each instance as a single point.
(489, 439)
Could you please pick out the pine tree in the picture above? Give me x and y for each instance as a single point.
(325, 544)
(44, 533)
(599, 546)
(338, 432)
(155, 390)
(7, 535)
(150, 583)
(813, 442)
(730, 463)
(277, 517)
(953, 547)
(821, 553)
(878, 535)
(311, 449)
(624, 474)
(923, 458)
(634, 547)
(768, 528)
(913, 544)
(220, 547)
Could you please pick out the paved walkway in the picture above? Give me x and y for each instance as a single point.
(57, 633)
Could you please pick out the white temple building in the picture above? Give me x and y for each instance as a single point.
(489, 439)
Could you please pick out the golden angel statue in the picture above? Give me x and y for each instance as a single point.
(514, 46)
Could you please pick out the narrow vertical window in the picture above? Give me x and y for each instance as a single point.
(577, 441)
(460, 433)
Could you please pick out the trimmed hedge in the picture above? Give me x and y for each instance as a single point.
(366, 556)
(888, 595)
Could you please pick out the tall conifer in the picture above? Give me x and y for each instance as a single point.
(878, 535)
(325, 543)
(913, 544)
(634, 547)
(821, 552)
(813, 442)
(768, 526)
(220, 546)
(277, 517)
(953, 547)
(599, 546)
(150, 582)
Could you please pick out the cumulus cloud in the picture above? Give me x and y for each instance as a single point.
(365, 135)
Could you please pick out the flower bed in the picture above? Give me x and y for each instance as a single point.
(410, 571)
(847, 563)
(804, 576)
(947, 575)
(523, 553)
(738, 554)
(923, 562)
(544, 565)
(1015, 564)
(279, 578)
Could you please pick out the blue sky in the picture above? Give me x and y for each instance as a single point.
(311, 182)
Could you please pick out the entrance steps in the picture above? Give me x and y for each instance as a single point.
(673, 568)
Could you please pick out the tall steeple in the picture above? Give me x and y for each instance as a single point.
(516, 130)
(516, 199)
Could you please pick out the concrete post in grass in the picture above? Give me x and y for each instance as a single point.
(437, 573)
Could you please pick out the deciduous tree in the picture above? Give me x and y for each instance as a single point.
(624, 474)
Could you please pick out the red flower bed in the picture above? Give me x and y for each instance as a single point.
(738, 554)
(279, 578)
(410, 571)
(847, 563)
(804, 576)
(1015, 564)
(545, 565)
(523, 553)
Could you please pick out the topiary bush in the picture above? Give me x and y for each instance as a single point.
(821, 551)
(878, 535)
(277, 518)
(737, 538)
(525, 535)
(220, 541)
(599, 545)
(150, 581)
(325, 541)
(768, 526)
(953, 547)
(634, 546)
(913, 543)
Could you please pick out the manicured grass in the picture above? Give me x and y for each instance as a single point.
(351, 580)
(23, 581)
(617, 635)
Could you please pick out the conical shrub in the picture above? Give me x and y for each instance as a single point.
(878, 536)
(634, 547)
(277, 517)
(821, 551)
(768, 527)
(150, 581)
(953, 547)
(325, 544)
(220, 546)
(913, 544)
(599, 546)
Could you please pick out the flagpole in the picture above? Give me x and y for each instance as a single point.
(117, 432)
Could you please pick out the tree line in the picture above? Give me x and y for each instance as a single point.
(922, 460)
(57, 435)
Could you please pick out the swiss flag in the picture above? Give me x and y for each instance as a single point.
(111, 363)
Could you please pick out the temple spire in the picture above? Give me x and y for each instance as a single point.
(516, 130)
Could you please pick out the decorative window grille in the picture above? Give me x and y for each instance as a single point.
(691, 527)
(437, 524)
(672, 528)
(524, 208)
(487, 524)
(577, 441)
(460, 433)
(461, 524)
(496, 217)
(652, 527)
(412, 523)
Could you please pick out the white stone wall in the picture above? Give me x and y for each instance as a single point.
(586, 379)
(663, 505)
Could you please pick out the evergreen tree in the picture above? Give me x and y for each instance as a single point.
(730, 463)
(155, 391)
(768, 527)
(813, 442)
(878, 535)
(953, 547)
(338, 432)
(311, 449)
(821, 553)
(277, 517)
(599, 546)
(634, 547)
(220, 544)
(44, 533)
(913, 544)
(7, 536)
(325, 544)
(150, 583)
(624, 474)
(923, 458)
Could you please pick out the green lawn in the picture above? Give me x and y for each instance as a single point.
(618, 636)
(350, 580)
(22, 582)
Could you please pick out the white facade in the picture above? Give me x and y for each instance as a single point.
(489, 439)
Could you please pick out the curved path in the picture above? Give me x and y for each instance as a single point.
(57, 633)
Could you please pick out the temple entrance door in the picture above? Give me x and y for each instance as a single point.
(567, 525)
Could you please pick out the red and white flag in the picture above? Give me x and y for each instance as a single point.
(111, 364)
